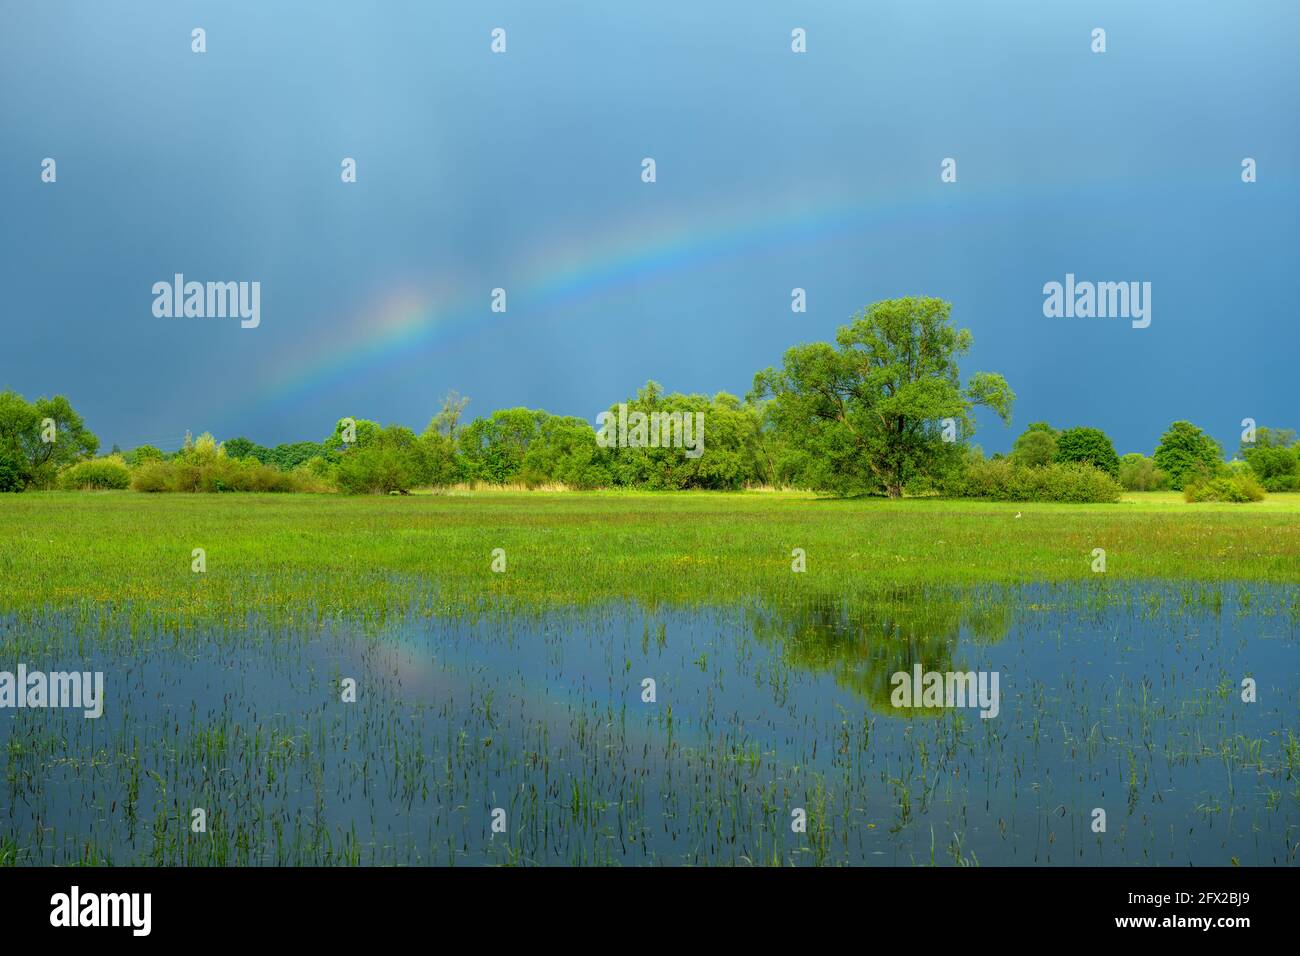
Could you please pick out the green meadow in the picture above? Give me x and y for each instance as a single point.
(292, 558)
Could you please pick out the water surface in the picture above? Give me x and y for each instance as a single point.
(1124, 700)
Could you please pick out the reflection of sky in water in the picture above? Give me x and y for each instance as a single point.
(1138, 713)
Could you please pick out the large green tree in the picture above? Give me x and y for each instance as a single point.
(38, 438)
(869, 411)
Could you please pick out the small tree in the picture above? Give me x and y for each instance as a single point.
(1088, 445)
(143, 454)
(447, 422)
(389, 460)
(1036, 447)
(1185, 452)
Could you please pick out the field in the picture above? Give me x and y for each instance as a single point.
(297, 558)
(648, 681)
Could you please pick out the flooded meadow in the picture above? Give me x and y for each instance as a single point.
(1152, 724)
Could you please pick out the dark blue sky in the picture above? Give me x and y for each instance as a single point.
(523, 171)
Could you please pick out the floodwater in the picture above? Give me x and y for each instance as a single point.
(770, 735)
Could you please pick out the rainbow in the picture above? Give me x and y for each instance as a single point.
(569, 271)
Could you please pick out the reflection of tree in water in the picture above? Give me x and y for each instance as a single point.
(863, 644)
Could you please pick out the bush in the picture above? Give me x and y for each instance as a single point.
(1234, 487)
(1139, 473)
(1004, 480)
(1276, 467)
(986, 478)
(152, 476)
(377, 470)
(100, 474)
(219, 473)
(11, 475)
(1282, 483)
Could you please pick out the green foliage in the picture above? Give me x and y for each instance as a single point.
(1002, 479)
(242, 448)
(42, 437)
(203, 466)
(362, 430)
(447, 422)
(289, 456)
(142, 454)
(1036, 447)
(867, 413)
(200, 451)
(1240, 486)
(1266, 437)
(1185, 452)
(705, 443)
(863, 414)
(492, 449)
(436, 460)
(382, 461)
(11, 474)
(1137, 472)
(1090, 446)
(1274, 458)
(375, 470)
(99, 474)
(566, 452)
(1278, 469)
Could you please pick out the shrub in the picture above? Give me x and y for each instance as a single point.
(219, 473)
(986, 478)
(11, 475)
(1139, 473)
(99, 474)
(152, 476)
(1282, 483)
(376, 469)
(1276, 467)
(1235, 487)
(1004, 480)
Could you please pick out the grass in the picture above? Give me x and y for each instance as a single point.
(304, 557)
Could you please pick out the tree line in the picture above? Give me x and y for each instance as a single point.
(882, 410)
